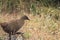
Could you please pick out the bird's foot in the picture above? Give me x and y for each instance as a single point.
(19, 33)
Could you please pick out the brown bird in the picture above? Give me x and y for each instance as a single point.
(13, 26)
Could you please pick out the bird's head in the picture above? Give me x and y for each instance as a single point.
(25, 17)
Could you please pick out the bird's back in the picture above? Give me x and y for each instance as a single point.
(15, 25)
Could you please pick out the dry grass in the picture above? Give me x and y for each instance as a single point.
(38, 28)
(42, 27)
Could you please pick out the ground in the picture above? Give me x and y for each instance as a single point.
(37, 28)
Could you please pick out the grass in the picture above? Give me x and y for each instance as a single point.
(44, 27)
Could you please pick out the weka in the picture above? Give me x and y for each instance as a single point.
(13, 26)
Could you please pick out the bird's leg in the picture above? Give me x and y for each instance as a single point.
(19, 33)
(9, 36)
(13, 37)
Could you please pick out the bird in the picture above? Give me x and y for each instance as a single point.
(12, 27)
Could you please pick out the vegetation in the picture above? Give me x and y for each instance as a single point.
(18, 5)
(44, 17)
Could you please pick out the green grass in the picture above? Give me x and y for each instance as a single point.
(27, 35)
